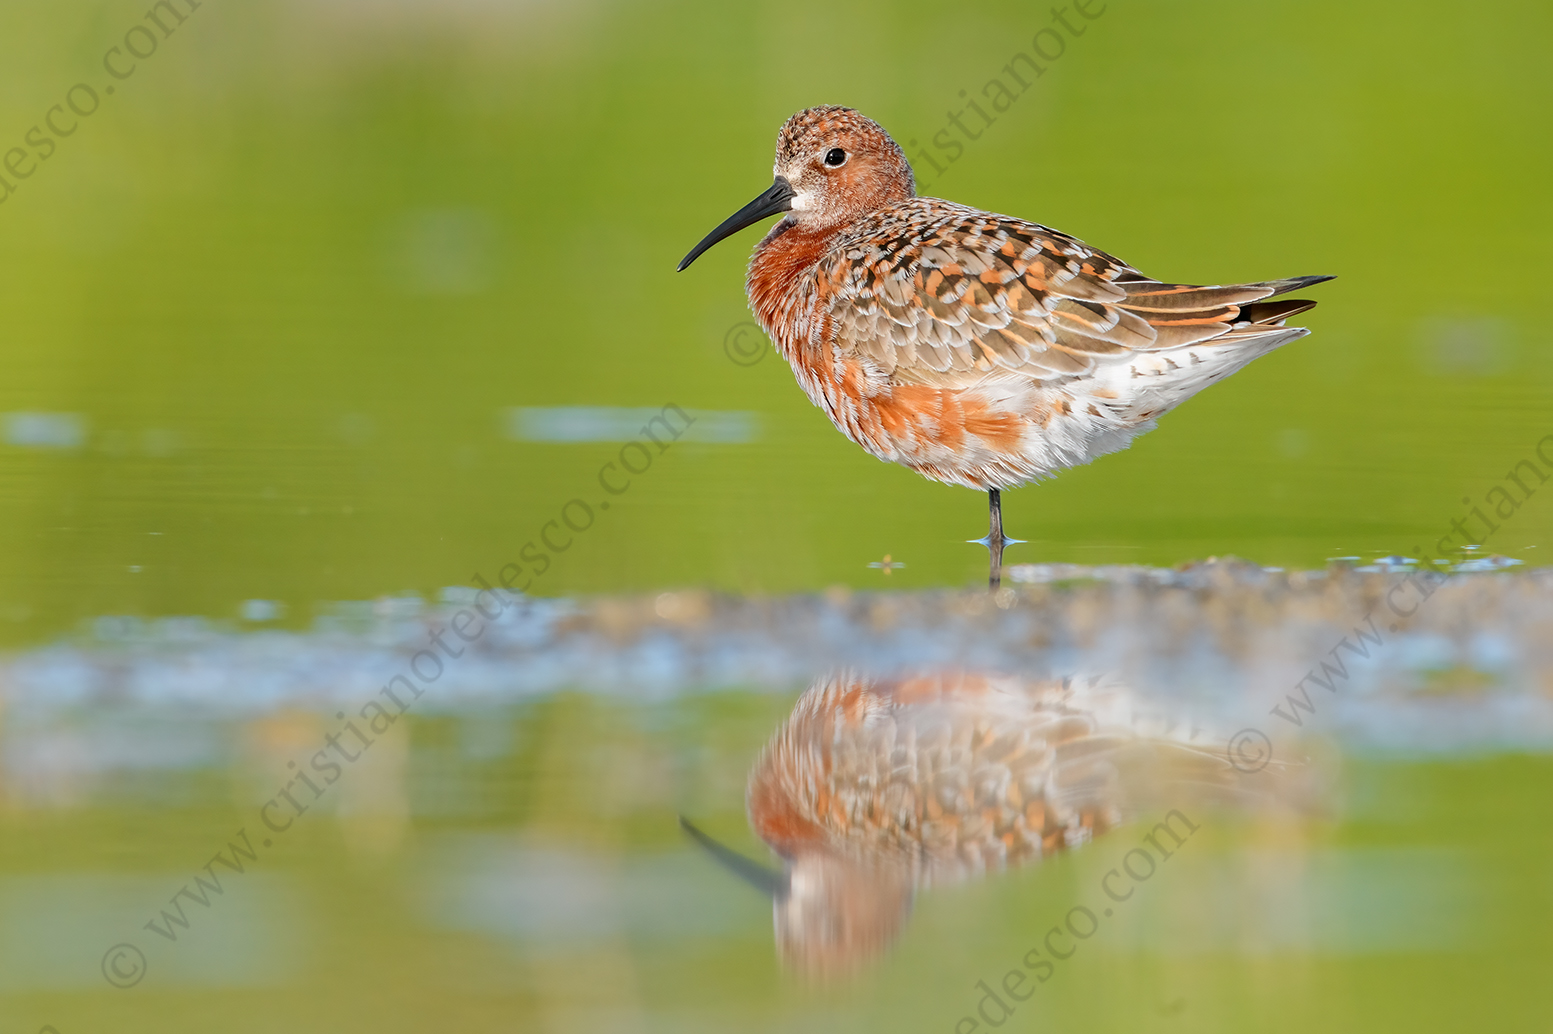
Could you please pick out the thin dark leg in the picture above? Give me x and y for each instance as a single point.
(995, 539)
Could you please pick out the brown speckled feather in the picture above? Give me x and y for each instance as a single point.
(977, 349)
(956, 773)
(938, 293)
(875, 788)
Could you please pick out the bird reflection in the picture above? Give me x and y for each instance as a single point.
(875, 789)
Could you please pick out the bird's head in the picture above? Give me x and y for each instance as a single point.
(833, 915)
(833, 167)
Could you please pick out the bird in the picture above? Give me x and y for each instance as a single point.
(877, 787)
(974, 348)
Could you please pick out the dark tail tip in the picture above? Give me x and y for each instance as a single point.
(1293, 283)
(1305, 281)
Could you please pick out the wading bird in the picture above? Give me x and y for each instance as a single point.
(977, 349)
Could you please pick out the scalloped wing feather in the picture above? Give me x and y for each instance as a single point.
(939, 294)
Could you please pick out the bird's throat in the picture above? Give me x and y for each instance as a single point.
(786, 259)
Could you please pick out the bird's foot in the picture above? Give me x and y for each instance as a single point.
(995, 545)
(988, 540)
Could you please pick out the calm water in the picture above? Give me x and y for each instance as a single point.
(506, 852)
(326, 310)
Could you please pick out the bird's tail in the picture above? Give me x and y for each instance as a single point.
(1184, 314)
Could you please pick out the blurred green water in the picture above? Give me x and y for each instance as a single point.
(291, 275)
(520, 869)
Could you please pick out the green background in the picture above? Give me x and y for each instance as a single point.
(294, 271)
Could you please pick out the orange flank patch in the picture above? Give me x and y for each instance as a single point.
(901, 408)
(948, 429)
(1001, 431)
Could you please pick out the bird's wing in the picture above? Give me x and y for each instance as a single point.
(937, 293)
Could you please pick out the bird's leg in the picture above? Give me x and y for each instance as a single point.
(995, 539)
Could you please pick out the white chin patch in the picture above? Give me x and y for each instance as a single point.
(802, 201)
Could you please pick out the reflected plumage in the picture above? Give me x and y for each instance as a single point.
(974, 348)
(872, 790)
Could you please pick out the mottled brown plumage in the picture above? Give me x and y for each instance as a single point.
(977, 349)
(873, 789)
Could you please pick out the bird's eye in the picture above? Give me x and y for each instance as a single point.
(835, 157)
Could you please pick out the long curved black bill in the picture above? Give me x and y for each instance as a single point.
(769, 882)
(775, 200)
